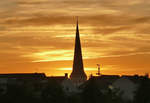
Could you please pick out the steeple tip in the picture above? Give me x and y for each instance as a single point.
(77, 27)
(77, 20)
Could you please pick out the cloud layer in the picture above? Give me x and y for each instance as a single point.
(44, 30)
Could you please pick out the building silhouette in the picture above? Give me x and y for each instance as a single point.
(78, 75)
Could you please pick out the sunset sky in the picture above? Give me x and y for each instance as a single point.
(38, 36)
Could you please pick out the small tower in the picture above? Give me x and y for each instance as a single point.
(78, 75)
(98, 73)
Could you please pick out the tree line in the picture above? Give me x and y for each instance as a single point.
(53, 93)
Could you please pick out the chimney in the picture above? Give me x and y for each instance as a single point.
(66, 75)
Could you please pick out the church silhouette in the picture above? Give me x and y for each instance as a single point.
(78, 75)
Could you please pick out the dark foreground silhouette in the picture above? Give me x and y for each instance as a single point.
(52, 92)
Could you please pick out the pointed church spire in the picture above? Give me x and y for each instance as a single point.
(77, 28)
(78, 75)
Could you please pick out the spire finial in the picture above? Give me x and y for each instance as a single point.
(77, 27)
(77, 20)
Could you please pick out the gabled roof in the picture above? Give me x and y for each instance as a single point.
(58, 79)
(23, 75)
(105, 80)
(135, 78)
(102, 81)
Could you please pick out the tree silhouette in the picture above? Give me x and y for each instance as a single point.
(53, 93)
(113, 96)
(19, 94)
(75, 98)
(91, 93)
(142, 94)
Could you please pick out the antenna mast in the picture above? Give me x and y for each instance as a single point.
(98, 70)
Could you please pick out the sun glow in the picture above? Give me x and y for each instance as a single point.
(55, 55)
(86, 69)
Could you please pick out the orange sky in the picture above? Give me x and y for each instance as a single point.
(38, 35)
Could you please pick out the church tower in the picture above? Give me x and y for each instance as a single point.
(78, 75)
